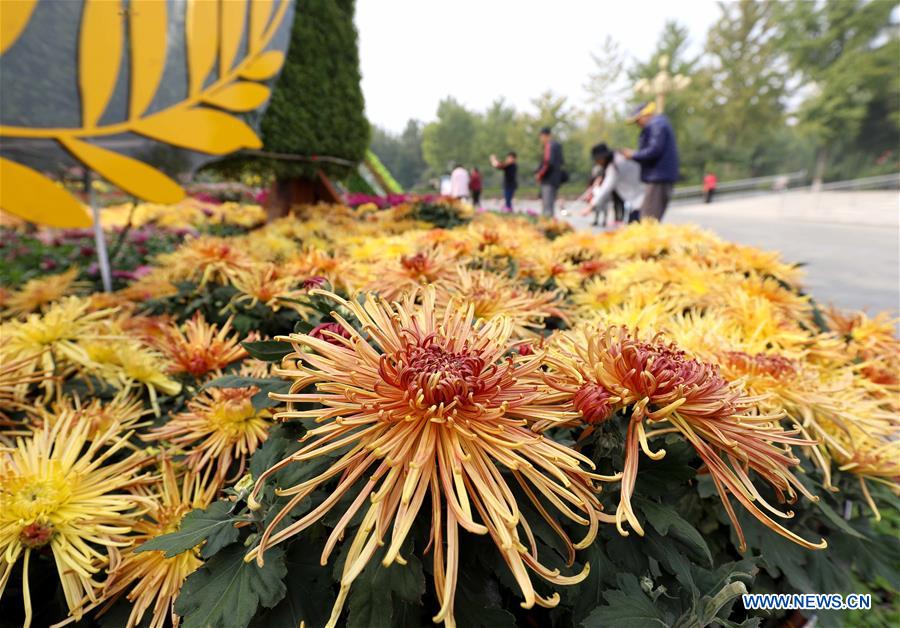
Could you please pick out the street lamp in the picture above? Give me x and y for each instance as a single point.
(662, 84)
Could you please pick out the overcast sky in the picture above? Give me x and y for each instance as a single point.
(415, 52)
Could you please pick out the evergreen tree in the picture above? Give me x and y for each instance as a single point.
(845, 52)
(748, 74)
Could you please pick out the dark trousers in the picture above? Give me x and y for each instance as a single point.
(708, 195)
(476, 197)
(508, 193)
(618, 207)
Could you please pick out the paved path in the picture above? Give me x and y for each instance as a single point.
(849, 241)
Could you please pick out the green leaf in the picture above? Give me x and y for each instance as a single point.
(215, 525)
(226, 592)
(837, 520)
(310, 594)
(266, 385)
(370, 598)
(268, 350)
(666, 521)
(628, 607)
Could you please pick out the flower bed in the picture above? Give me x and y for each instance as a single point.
(356, 417)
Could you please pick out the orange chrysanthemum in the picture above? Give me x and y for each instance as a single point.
(199, 348)
(40, 292)
(433, 407)
(394, 277)
(601, 371)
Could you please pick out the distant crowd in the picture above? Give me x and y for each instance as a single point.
(635, 183)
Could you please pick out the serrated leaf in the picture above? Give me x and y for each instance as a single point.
(215, 525)
(240, 96)
(628, 607)
(226, 592)
(264, 66)
(268, 350)
(370, 600)
(234, 15)
(30, 195)
(15, 18)
(309, 595)
(281, 442)
(201, 37)
(131, 175)
(201, 129)
(665, 521)
(100, 44)
(148, 30)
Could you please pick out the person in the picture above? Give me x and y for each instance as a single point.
(510, 177)
(657, 154)
(621, 176)
(444, 187)
(550, 173)
(710, 181)
(459, 182)
(475, 186)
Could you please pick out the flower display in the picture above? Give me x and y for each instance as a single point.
(284, 422)
(433, 409)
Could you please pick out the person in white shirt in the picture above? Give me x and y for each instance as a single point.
(459, 182)
(620, 175)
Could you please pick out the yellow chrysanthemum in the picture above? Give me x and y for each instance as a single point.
(53, 339)
(151, 580)
(219, 430)
(62, 489)
(493, 295)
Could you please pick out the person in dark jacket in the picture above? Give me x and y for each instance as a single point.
(510, 177)
(657, 154)
(550, 173)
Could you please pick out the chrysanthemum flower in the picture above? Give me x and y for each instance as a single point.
(600, 371)
(125, 410)
(15, 378)
(40, 292)
(61, 489)
(152, 580)
(219, 429)
(203, 259)
(265, 283)
(124, 363)
(394, 277)
(198, 348)
(493, 295)
(433, 407)
(53, 339)
(155, 285)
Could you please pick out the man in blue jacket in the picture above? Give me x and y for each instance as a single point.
(657, 154)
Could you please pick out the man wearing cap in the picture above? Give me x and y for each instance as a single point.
(550, 173)
(657, 154)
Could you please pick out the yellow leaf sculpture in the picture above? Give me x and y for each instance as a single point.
(30, 195)
(220, 80)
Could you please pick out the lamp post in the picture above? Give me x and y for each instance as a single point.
(662, 84)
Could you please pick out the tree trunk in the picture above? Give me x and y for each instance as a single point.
(288, 194)
(819, 174)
